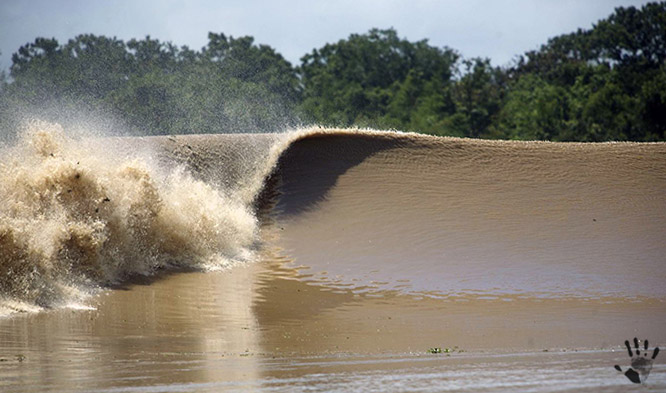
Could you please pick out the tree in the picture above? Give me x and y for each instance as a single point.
(478, 97)
(594, 85)
(87, 66)
(356, 80)
(157, 87)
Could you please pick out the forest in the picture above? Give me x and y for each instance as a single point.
(605, 83)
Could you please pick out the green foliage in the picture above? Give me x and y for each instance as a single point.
(603, 83)
(374, 79)
(593, 85)
(478, 96)
(231, 85)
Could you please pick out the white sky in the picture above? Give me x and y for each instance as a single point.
(498, 29)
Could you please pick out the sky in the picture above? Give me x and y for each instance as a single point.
(497, 29)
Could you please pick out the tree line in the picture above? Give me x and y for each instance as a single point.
(603, 83)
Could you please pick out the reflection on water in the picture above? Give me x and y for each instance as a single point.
(168, 331)
(263, 326)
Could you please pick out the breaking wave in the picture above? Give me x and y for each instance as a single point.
(79, 214)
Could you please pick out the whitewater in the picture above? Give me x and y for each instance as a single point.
(77, 215)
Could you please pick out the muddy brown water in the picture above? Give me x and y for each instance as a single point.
(527, 263)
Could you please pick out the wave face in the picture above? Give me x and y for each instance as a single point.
(363, 209)
(448, 217)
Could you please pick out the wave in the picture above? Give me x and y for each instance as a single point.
(449, 217)
(77, 215)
